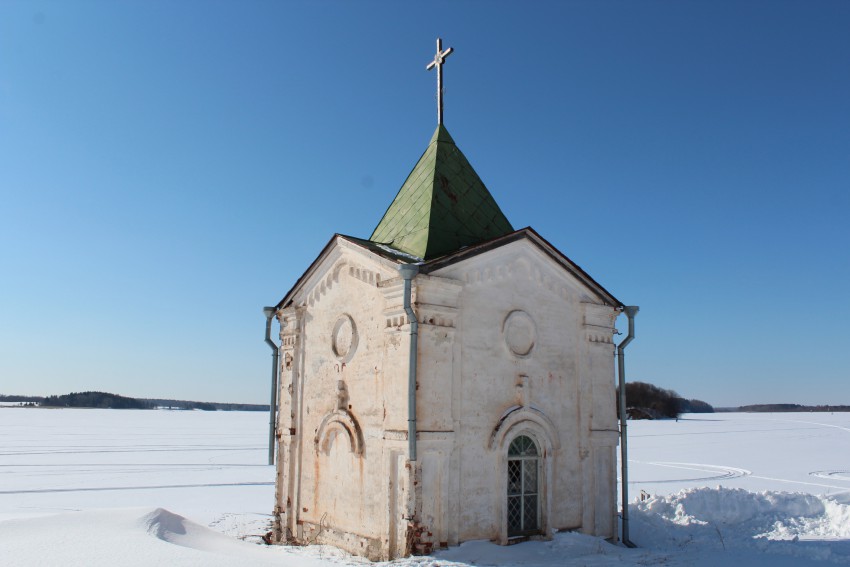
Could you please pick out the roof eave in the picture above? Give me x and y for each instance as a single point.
(386, 255)
(287, 299)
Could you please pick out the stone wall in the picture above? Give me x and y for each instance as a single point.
(509, 344)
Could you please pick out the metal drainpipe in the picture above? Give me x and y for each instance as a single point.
(408, 272)
(631, 311)
(269, 313)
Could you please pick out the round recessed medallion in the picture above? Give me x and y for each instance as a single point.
(520, 333)
(344, 338)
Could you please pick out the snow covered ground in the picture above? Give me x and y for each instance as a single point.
(808, 452)
(124, 487)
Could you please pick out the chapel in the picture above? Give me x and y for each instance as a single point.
(449, 378)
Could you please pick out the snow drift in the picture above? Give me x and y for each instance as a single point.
(733, 519)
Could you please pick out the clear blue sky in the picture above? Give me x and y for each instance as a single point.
(169, 168)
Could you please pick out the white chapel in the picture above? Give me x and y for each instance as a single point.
(450, 378)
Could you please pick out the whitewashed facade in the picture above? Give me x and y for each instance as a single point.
(515, 399)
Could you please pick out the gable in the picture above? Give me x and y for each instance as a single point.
(342, 257)
(523, 254)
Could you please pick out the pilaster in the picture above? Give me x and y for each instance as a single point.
(288, 435)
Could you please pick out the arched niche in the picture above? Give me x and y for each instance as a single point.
(332, 424)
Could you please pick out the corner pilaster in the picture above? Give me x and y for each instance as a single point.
(288, 436)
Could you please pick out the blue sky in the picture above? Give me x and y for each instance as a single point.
(169, 168)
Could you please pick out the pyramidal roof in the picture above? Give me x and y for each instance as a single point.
(442, 207)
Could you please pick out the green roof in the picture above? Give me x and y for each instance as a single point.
(442, 206)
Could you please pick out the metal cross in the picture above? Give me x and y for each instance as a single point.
(439, 60)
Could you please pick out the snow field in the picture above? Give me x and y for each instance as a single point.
(125, 487)
(209, 466)
(805, 452)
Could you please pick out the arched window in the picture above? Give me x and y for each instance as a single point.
(523, 487)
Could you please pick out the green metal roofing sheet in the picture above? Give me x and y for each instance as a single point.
(442, 206)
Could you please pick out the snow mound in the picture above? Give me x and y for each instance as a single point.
(725, 519)
(733, 506)
(164, 524)
(175, 529)
(127, 537)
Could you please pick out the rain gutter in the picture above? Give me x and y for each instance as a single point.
(630, 311)
(408, 272)
(269, 313)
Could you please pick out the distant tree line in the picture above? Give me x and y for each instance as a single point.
(20, 398)
(93, 400)
(206, 406)
(789, 408)
(647, 401)
(114, 401)
(694, 406)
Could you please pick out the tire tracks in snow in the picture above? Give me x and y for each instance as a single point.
(721, 472)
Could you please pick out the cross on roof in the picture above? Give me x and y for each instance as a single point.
(439, 60)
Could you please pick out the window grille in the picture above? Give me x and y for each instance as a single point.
(523, 487)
